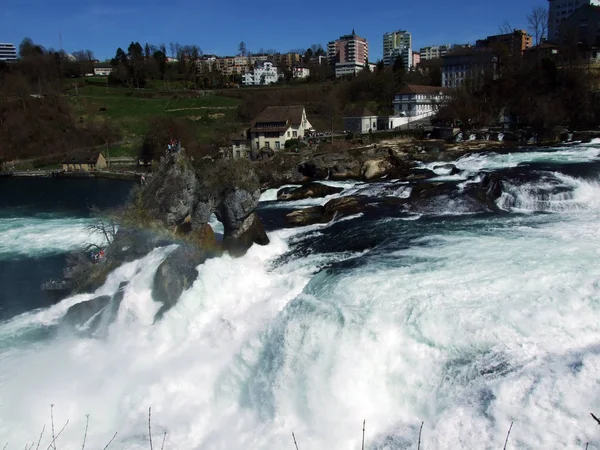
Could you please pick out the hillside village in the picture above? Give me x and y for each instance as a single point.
(254, 104)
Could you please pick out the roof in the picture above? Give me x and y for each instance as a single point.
(543, 45)
(82, 157)
(420, 89)
(360, 111)
(278, 118)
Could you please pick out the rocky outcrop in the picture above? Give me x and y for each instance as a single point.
(92, 317)
(334, 209)
(487, 191)
(447, 169)
(241, 225)
(171, 195)
(375, 168)
(176, 274)
(313, 190)
(417, 174)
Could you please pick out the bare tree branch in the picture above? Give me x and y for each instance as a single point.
(538, 23)
(53, 443)
(109, 442)
(507, 435)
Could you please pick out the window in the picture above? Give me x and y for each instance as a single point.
(294, 133)
(277, 145)
(288, 134)
(267, 144)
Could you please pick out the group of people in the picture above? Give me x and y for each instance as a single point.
(174, 146)
(97, 256)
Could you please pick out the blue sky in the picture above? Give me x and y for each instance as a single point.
(218, 26)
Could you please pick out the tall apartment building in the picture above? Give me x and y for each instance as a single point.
(515, 43)
(434, 52)
(348, 54)
(560, 10)
(8, 52)
(397, 44)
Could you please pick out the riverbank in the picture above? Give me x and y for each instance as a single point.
(41, 173)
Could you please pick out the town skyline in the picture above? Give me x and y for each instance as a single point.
(104, 29)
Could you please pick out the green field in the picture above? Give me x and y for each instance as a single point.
(130, 110)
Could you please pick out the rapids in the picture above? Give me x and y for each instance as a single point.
(464, 321)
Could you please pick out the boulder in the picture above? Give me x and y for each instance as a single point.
(420, 174)
(307, 216)
(93, 316)
(334, 208)
(251, 231)
(241, 225)
(313, 190)
(425, 191)
(447, 169)
(80, 313)
(176, 274)
(375, 168)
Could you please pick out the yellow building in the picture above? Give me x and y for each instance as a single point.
(82, 161)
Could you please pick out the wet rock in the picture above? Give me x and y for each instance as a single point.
(306, 216)
(241, 225)
(424, 191)
(80, 313)
(449, 169)
(420, 174)
(176, 274)
(251, 231)
(334, 209)
(375, 168)
(313, 190)
(487, 191)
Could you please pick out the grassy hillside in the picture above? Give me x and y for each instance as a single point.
(130, 110)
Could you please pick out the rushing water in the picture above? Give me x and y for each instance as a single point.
(462, 320)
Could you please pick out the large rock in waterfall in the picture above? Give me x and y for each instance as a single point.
(171, 194)
(336, 208)
(241, 225)
(312, 190)
(176, 274)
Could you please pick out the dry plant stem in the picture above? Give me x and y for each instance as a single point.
(420, 430)
(52, 422)
(109, 442)
(364, 423)
(150, 426)
(40, 440)
(53, 443)
(507, 435)
(163, 442)
(295, 443)
(87, 422)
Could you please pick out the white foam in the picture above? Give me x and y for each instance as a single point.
(32, 236)
(482, 324)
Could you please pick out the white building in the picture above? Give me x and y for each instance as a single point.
(360, 121)
(102, 71)
(560, 10)
(8, 52)
(264, 73)
(300, 72)
(276, 125)
(415, 100)
(397, 44)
